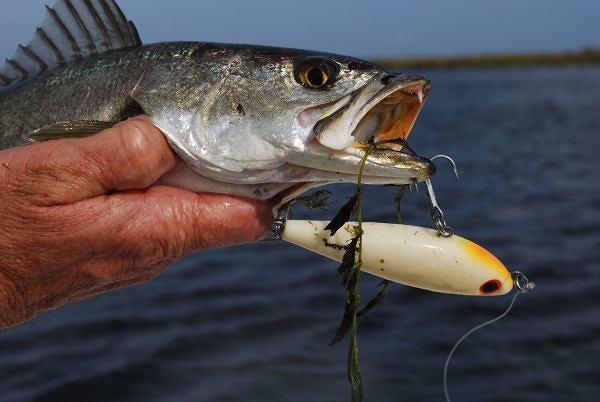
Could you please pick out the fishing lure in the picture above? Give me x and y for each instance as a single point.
(410, 255)
(431, 259)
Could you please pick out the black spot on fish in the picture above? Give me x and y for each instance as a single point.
(386, 80)
(240, 109)
(359, 65)
(131, 109)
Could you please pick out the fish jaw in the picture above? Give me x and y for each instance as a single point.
(382, 166)
(385, 109)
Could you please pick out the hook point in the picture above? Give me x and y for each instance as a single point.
(449, 159)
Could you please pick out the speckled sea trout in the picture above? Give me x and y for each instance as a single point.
(248, 120)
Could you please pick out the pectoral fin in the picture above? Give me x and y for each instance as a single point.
(68, 129)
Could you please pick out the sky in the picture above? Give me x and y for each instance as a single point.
(367, 28)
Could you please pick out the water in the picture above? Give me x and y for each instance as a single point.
(252, 323)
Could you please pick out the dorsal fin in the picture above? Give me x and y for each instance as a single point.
(71, 31)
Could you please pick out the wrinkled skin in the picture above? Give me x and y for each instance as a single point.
(82, 217)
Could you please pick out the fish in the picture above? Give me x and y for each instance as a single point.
(256, 121)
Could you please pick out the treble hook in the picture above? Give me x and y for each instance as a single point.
(436, 212)
(449, 159)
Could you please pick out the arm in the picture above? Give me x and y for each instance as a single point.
(80, 217)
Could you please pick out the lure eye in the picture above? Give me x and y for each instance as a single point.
(316, 73)
(490, 286)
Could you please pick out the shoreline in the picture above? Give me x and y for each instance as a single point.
(582, 57)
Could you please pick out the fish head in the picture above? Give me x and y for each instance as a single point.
(272, 115)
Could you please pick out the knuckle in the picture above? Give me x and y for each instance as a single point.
(134, 138)
(145, 152)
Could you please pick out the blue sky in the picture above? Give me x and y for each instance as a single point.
(367, 28)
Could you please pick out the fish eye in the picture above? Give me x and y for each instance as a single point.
(316, 73)
(490, 286)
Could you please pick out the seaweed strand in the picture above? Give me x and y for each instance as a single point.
(350, 270)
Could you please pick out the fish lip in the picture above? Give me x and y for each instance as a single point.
(383, 166)
(418, 168)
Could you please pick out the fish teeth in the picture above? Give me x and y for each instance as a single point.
(420, 95)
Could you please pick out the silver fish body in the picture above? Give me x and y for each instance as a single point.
(248, 120)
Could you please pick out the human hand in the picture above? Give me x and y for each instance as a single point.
(80, 217)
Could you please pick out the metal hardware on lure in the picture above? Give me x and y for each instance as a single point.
(437, 215)
(449, 159)
(410, 255)
(521, 282)
(278, 224)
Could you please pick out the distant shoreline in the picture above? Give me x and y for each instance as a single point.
(585, 56)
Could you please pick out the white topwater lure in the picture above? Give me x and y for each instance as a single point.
(431, 259)
(410, 255)
(435, 260)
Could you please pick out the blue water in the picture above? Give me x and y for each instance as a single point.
(252, 323)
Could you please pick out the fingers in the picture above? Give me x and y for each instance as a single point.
(164, 223)
(123, 239)
(131, 155)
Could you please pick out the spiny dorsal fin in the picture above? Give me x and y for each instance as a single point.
(71, 31)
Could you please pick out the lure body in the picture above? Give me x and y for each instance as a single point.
(410, 255)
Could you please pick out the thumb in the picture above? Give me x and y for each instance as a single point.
(131, 155)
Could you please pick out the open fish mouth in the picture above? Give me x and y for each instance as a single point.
(391, 114)
(385, 109)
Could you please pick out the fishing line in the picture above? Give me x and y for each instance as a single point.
(522, 285)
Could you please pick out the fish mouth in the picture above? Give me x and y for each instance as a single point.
(385, 109)
(391, 114)
(383, 112)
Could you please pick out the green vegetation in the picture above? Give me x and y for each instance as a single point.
(585, 56)
(350, 269)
